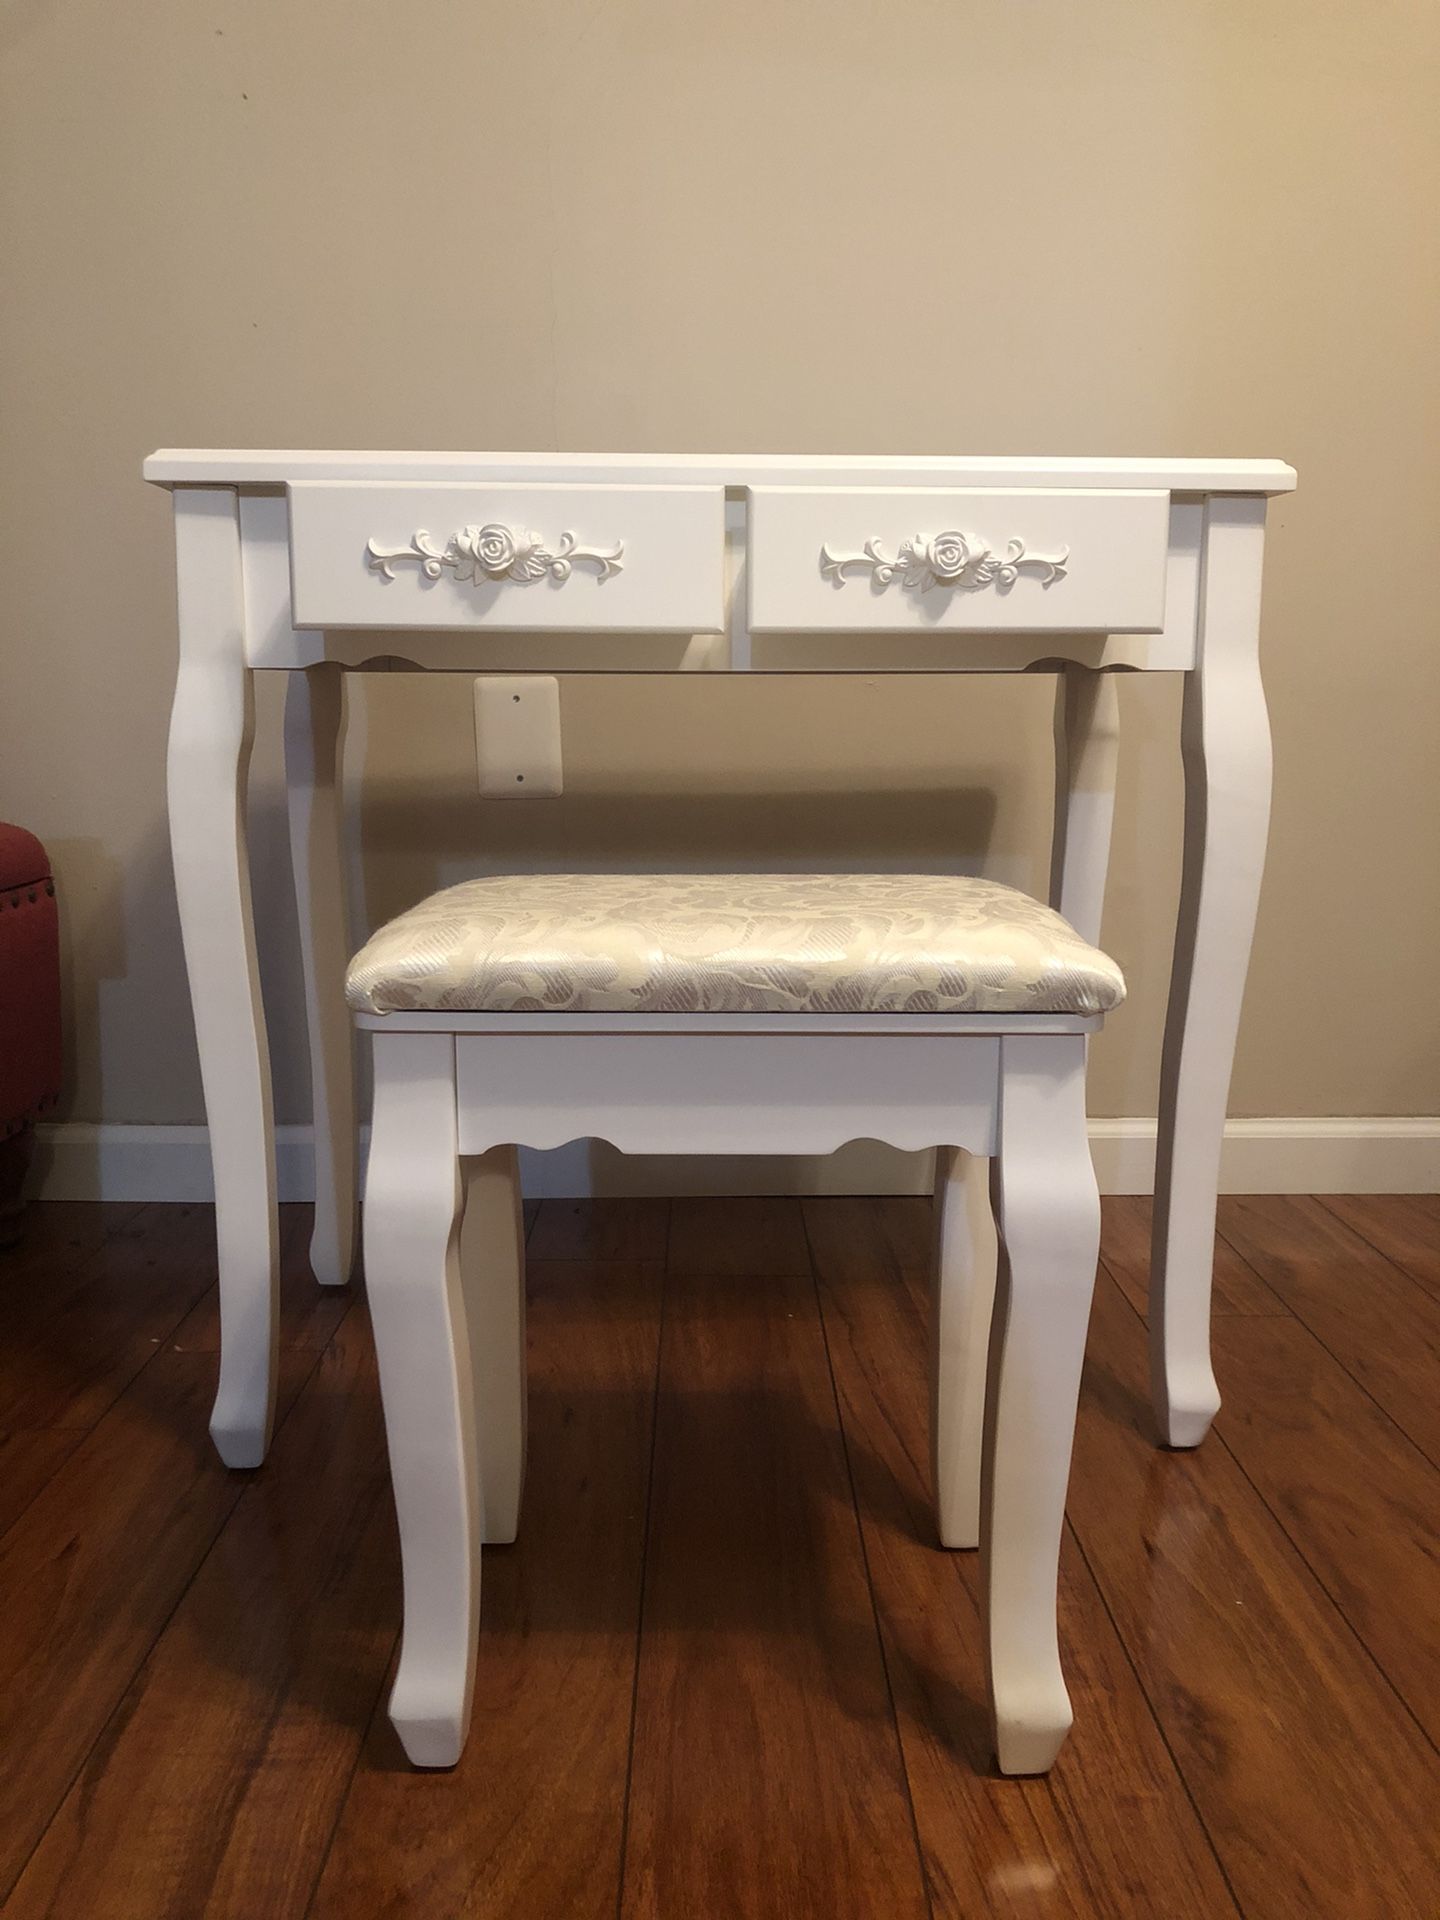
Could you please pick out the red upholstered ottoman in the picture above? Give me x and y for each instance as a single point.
(29, 1009)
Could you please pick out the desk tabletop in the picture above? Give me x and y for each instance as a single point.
(269, 469)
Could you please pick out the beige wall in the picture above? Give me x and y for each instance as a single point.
(1021, 226)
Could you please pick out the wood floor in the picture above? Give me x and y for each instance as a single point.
(725, 1673)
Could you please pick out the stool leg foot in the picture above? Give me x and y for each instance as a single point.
(1185, 1403)
(431, 1726)
(1048, 1212)
(1029, 1736)
(412, 1268)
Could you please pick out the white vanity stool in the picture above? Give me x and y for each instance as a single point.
(731, 1013)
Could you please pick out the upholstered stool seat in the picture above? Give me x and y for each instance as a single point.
(732, 943)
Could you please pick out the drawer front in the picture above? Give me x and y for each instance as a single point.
(549, 559)
(913, 559)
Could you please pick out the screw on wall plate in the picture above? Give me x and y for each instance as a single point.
(517, 735)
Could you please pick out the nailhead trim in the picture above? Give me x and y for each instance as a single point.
(30, 896)
(32, 1113)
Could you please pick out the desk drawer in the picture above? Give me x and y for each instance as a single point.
(550, 559)
(913, 559)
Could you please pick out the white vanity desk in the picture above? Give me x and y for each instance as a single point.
(314, 563)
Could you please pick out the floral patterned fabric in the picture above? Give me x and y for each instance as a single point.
(732, 943)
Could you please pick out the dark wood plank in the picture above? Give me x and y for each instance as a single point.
(1125, 1249)
(57, 1239)
(1112, 1830)
(871, 1235)
(215, 1787)
(749, 1236)
(767, 1776)
(54, 1259)
(1381, 1326)
(619, 1229)
(1319, 1793)
(1405, 1227)
(530, 1823)
(133, 1286)
(1359, 1501)
(67, 1368)
(80, 1318)
(29, 1457)
(309, 1313)
(91, 1571)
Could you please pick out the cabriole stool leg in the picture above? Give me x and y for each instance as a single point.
(412, 1267)
(492, 1265)
(1048, 1212)
(965, 1261)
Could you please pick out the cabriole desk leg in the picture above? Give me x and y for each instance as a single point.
(209, 755)
(1225, 741)
(314, 737)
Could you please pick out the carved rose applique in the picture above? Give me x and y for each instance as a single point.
(948, 555)
(957, 560)
(494, 548)
(494, 552)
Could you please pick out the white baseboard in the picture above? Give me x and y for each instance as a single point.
(78, 1160)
